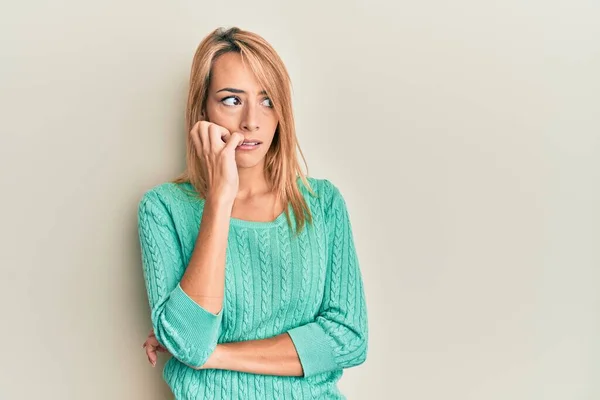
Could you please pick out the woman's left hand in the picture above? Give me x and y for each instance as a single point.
(152, 346)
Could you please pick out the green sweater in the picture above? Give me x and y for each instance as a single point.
(308, 286)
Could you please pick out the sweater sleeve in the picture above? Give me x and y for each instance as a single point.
(181, 325)
(338, 338)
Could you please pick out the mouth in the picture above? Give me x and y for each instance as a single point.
(249, 144)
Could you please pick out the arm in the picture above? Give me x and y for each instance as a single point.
(186, 315)
(272, 356)
(337, 339)
(204, 278)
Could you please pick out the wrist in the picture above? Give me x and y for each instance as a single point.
(217, 358)
(219, 203)
(221, 195)
(218, 207)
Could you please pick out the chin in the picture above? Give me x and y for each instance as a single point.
(243, 162)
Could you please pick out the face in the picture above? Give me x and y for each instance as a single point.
(237, 102)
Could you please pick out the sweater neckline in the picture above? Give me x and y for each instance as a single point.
(244, 223)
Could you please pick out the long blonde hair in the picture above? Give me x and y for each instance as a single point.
(281, 162)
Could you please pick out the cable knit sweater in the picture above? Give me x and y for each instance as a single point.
(309, 286)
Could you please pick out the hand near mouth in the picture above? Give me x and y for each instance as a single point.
(218, 158)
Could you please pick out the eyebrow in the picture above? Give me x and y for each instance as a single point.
(233, 90)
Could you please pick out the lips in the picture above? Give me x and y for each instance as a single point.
(249, 145)
(251, 142)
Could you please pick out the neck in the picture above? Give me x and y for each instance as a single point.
(252, 182)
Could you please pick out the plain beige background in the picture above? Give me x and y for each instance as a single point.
(464, 136)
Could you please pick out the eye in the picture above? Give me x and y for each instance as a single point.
(267, 102)
(231, 101)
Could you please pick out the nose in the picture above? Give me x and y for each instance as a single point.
(250, 118)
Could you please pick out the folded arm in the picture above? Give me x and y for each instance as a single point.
(336, 339)
(186, 322)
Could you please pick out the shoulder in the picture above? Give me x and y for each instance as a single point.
(328, 192)
(165, 196)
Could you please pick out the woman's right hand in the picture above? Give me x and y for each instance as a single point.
(216, 146)
(153, 346)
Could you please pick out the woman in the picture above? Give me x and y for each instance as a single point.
(250, 266)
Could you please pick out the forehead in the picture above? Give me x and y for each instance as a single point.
(229, 70)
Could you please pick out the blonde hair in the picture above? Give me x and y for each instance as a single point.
(281, 162)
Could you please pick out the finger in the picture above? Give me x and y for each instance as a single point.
(153, 342)
(203, 135)
(235, 140)
(196, 139)
(151, 354)
(148, 351)
(226, 136)
(216, 134)
(153, 363)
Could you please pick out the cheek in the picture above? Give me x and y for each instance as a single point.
(270, 121)
(271, 127)
(227, 118)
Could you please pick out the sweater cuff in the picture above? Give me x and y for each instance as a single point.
(197, 327)
(314, 351)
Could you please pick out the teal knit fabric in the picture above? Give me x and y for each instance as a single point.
(309, 286)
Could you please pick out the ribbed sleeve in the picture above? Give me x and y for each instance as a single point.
(338, 338)
(181, 325)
